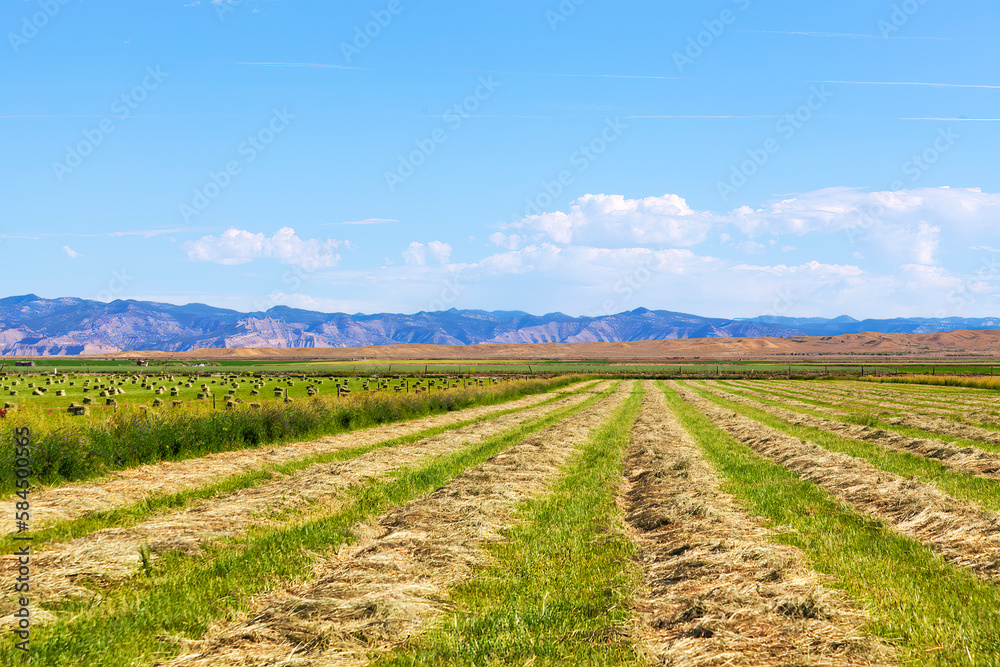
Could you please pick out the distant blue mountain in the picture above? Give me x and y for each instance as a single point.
(30, 325)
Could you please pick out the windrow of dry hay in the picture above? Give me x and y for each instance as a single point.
(969, 460)
(961, 532)
(71, 568)
(126, 487)
(372, 595)
(716, 590)
(910, 418)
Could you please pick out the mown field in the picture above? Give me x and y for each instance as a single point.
(703, 521)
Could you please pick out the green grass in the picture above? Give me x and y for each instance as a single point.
(865, 416)
(980, 490)
(123, 517)
(992, 383)
(557, 590)
(132, 437)
(936, 613)
(183, 595)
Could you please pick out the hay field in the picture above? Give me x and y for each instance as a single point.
(695, 522)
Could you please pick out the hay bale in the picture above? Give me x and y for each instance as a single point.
(60, 392)
(157, 402)
(111, 401)
(79, 411)
(87, 400)
(10, 406)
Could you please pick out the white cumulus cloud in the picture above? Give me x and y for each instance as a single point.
(238, 246)
(417, 253)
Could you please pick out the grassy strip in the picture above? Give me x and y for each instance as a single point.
(943, 381)
(184, 595)
(132, 437)
(936, 613)
(980, 490)
(949, 407)
(872, 420)
(868, 401)
(557, 590)
(123, 517)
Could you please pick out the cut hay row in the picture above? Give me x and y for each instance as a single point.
(866, 398)
(858, 400)
(75, 568)
(556, 589)
(963, 533)
(932, 396)
(126, 487)
(717, 589)
(968, 460)
(394, 582)
(906, 423)
(874, 397)
(158, 613)
(932, 612)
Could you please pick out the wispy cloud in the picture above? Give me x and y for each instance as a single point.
(69, 251)
(366, 221)
(281, 64)
(959, 119)
(587, 76)
(912, 83)
(848, 35)
(149, 233)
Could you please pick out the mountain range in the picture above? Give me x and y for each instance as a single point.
(31, 325)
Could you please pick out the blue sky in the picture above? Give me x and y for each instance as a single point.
(729, 158)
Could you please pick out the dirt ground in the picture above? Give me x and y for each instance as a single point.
(370, 596)
(716, 590)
